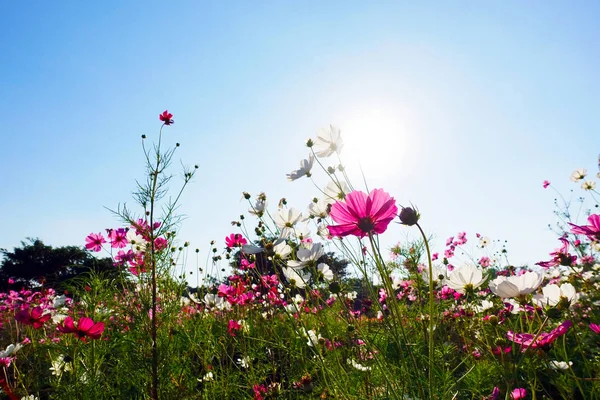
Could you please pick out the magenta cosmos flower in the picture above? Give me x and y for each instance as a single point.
(94, 242)
(166, 117)
(85, 328)
(361, 215)
(592, 231)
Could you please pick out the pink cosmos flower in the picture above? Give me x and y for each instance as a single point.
(233, 327)
(595, 328)
(85, 328)
(485, 261)
(94, 241)
(592, 231)
(160, 243)
(526, 340)
(546, 184)
(518, 393)
(35, 317)
(118, 238)
(361, 214)
(235, 240)
(166, 117)
(560, 256)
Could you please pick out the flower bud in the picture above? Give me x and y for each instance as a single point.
(335, 287)
(409, 216)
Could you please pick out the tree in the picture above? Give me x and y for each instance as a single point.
(35, 264)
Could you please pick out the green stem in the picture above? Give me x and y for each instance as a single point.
(431, 304)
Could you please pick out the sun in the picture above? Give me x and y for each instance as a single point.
(374, 140)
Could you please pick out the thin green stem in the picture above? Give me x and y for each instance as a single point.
(431, 309)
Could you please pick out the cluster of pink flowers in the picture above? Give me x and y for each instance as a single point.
(138, 236)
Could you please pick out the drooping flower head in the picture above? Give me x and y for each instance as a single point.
(166, 117)
(361, 214)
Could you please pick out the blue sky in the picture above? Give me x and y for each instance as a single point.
(462, 108)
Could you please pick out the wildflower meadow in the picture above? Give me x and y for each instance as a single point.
(309, 304)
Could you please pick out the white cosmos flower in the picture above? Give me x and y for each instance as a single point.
(259, 205)
(244, 362)
(516, 285)
(516, 307)
(323, 232)
(560, 365)
(296, 277)
(552, 294)
(138, 243)
(588, 185)
(30, 397)
(334, 192)
(59, 301)
(208, 377)
(287, 218)
(213, 300)
(306, 256)
(328, 141)
(578, 174)
(282, 249)
(305, 167)
(465, 277)
(301, 231)
(59, 366)
(485, 305)
(358, 366)
(319, 209)
(10, 350)
(326, 271)
(313, 338)
(484, 242)
(439, 274)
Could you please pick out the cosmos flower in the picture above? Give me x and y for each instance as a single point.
(235, 240)
(166, 117)
(336, 191)
(305, 167)
(559, 256)
(94, 242)
(85, 328)
(328, 141)
(306, 256)
(361, 214)
(552, 295)
(592, 231)
(35, 317)
(465, 278)
(516, 285)
(578, 174)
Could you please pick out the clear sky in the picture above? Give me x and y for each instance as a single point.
(461, 107)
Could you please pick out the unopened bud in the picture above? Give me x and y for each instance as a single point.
(409, 216)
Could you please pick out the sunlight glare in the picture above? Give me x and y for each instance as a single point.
(375, 140)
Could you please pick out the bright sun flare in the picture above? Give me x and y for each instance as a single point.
(375, 139)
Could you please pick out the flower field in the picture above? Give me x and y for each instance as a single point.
(311, 305)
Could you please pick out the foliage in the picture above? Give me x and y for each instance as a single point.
(35, 264)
